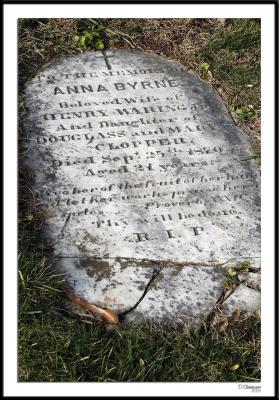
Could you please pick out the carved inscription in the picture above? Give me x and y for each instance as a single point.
(141, 162)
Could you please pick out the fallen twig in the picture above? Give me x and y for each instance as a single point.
(109, 317)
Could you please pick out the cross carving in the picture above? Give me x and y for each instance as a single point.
(106, 58)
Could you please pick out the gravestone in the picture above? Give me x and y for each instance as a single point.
(147, 186)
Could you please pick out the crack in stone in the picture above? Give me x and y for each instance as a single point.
(156, 272)
(250, 286)
(220, 301)
(157, 268)
(254, 270)
(170, 263)
(226, 293)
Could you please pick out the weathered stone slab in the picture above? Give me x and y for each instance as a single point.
(181, 294)
(112, 284)
(251, 280)
(243, 298)
(135, 158)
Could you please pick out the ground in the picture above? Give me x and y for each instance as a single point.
(53, 344)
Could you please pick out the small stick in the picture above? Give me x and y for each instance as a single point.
(108, 316)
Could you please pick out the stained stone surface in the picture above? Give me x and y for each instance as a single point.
(112, 284)
(252, 280)
(181, 294)
(137, 165)
(243, 298)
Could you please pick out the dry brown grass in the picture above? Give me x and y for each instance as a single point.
(231, 50)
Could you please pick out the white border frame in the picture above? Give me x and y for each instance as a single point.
(11, 13)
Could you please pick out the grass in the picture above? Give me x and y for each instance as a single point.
(53, 345)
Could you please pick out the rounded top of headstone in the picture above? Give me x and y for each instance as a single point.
(128, 63)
